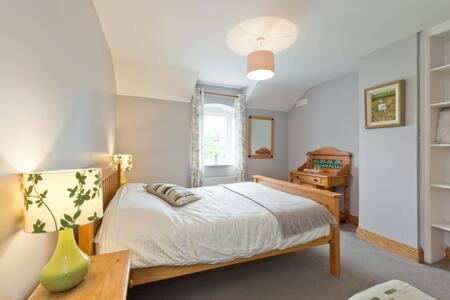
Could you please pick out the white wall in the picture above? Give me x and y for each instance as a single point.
(136, 78)
(388, 156)
(57, 111)
(329, 119)
(158, 135)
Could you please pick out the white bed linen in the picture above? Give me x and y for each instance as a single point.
(220, 227)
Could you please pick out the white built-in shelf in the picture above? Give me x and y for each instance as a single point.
(441, 185)
(442, 225)
(434, 85)
(441, 70)
(440, 104)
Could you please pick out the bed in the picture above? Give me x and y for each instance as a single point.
(168, 242)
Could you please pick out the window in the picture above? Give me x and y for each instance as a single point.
(218, 135)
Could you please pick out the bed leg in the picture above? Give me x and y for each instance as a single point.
(335, 258)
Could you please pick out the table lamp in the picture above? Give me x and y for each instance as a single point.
(126, 164)
(59, 201)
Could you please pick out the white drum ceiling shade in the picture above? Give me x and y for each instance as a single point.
(278, 34)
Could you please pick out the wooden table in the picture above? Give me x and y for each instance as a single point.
(327, 182)
(326, 168)
(107, 279)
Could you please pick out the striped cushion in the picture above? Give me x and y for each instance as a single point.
(171, 193)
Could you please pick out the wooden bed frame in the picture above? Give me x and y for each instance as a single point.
(111, 183)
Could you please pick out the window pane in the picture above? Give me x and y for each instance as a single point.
(215, 126)
(218, 138)
(215, 150)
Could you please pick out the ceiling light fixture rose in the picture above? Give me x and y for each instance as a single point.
(259, 39)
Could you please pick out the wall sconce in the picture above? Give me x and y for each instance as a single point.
(126, 164)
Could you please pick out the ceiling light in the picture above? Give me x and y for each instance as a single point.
(260, 65)
(258, 39)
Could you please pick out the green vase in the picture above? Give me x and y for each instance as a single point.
(68, 265)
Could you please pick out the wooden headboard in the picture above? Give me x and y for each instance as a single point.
(86, 233)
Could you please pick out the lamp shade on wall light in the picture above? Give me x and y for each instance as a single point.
(260, 65)
(58, 201)
(125, 161)
(126, 164)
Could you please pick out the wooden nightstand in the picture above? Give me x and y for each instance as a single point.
(107, 279)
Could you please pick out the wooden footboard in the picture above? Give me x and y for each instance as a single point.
(328, 199)
(151, 274)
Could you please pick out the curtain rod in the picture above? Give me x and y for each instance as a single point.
(219, 94)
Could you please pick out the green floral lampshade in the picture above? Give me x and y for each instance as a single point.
(125, 161)
(57, 200)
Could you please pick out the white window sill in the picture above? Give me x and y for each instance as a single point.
(221, 165)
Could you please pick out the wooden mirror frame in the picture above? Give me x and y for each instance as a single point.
(272, 138)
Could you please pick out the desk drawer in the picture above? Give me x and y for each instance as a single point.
(309, 179)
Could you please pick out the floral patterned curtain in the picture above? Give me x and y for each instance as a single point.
(197, 138)
(241, 158)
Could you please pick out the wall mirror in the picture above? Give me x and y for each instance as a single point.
(260, 137)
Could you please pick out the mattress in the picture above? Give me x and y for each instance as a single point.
(220, 227)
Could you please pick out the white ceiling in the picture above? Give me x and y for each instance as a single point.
(161, 48)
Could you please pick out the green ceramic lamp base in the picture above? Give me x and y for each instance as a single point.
(68, 265)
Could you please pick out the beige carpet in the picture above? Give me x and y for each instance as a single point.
(304, 275)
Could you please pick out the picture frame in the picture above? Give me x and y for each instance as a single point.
(384, 105)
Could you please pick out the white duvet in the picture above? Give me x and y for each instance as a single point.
(221, 226)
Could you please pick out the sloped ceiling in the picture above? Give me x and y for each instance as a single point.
(161, 48)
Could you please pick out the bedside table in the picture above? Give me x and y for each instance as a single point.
(107, 279)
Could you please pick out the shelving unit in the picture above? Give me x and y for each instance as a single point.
(440, 104)
(441, 69)
(441, 185)
(442, 225)
(434, 157)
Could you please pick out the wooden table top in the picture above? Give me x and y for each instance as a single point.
(107, 279)
(323, 174)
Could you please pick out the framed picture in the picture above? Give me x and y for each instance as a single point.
(384, 105)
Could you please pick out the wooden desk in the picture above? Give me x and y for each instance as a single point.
(326, 168)
(327, 182)
(107, 279)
